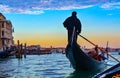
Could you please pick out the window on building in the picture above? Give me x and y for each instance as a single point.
(2, 24)
(3, 33)
(3, 43)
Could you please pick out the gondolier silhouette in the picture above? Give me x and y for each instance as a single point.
(70, 23)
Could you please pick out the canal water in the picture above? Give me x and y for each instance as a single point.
(44, 66)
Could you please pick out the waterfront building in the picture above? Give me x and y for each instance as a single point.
(6, 30)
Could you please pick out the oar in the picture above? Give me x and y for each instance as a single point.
(100, 48)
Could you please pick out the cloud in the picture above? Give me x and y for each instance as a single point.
(38, 6)
(7, 9)
(115, 5)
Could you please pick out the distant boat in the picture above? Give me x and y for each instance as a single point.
(80, 60)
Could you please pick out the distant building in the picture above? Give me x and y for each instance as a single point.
(6, 37)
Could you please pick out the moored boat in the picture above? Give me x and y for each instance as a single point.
(4, 54)
(7, 53)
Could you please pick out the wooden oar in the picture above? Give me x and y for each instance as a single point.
(100, 48)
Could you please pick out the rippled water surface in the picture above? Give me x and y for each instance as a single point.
(43, 66)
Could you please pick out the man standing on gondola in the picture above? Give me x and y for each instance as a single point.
(73, 25)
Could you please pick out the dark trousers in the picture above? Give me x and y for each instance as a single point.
(70, 36)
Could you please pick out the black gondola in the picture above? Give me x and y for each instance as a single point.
(113, 72)
(80, 60)
(4, 54)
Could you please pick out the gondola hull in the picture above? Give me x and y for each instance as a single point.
(80, 61)
(113, 72)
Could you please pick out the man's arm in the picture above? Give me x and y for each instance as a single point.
(66, 23)
(79, 26)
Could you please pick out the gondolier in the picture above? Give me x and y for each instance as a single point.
(77, 57)
(70, 23)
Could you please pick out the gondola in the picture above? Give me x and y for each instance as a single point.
(80, 60)
(4, 54)
(113, 72)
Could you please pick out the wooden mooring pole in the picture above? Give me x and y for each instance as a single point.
(19, 48)
(25, 50)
